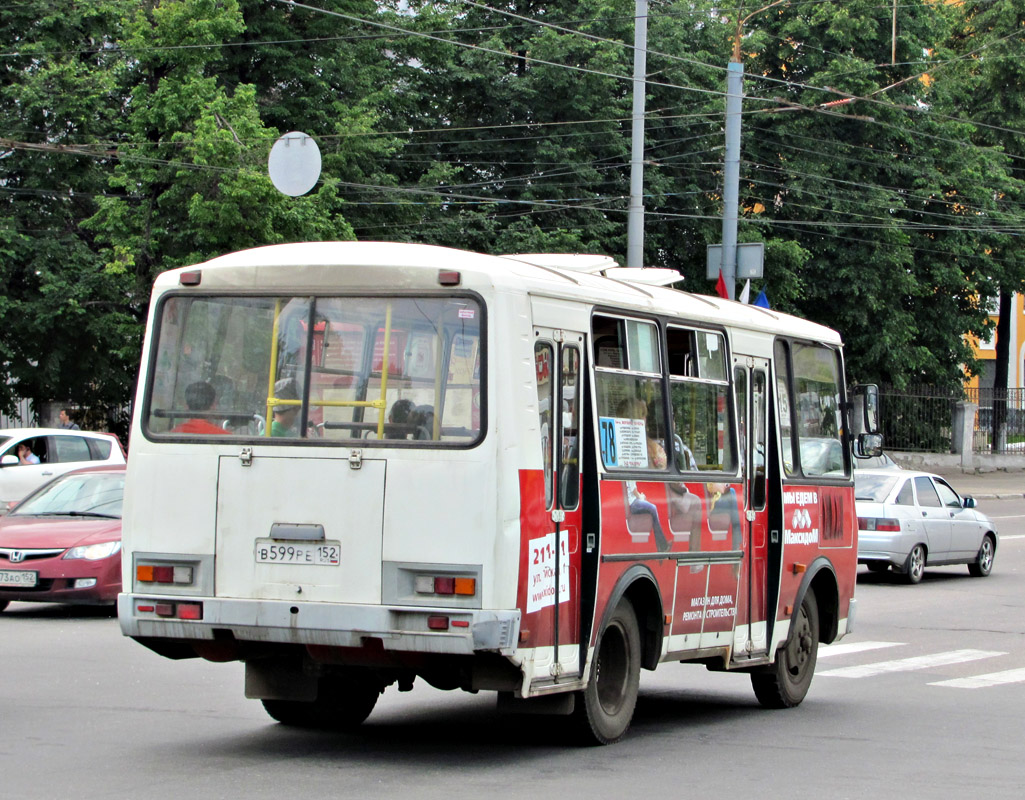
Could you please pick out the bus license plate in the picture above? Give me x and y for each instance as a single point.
(270, 551)
(18, 577)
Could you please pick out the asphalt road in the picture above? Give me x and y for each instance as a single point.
(924, 700)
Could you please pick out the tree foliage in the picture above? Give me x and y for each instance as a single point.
(886, 186)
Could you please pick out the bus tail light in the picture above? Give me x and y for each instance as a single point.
(878, 524)
(170, 610)
(445, 585)
(164, 573)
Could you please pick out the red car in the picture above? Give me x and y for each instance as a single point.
(62, 543)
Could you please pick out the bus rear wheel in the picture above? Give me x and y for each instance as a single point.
(342, 704)
(785, 683)
(605, 708)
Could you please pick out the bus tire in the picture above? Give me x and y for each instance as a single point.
(983, 564)
(340, 705)
(604, 709)
(785, 683)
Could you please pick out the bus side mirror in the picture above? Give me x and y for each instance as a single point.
(866, 397)
(868, 445)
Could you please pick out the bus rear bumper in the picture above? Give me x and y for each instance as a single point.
(395, 628)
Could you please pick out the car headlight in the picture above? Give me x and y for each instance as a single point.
(94, 552)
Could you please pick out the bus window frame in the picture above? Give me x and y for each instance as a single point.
(786, 372)
(157, 315)
(621, 316)
(732, 413)
(662, 323)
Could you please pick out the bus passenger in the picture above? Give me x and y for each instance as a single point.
(285, 415)
(422, 418)
(637, 503)
(199, 397)
(399, 416)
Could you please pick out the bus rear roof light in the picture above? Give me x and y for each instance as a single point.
(449, 277)
(192, 277)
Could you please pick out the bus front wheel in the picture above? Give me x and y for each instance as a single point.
(606, 706)
(785, 683)
(341, 704)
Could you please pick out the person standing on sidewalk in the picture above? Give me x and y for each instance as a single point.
(66, 421)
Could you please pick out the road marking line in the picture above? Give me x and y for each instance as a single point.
(853, 647)
(909, 664)
(985, 681)
(1016, 536)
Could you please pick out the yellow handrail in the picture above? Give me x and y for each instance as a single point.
(380, 403)
(271, 400)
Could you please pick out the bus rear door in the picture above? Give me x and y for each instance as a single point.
(553, 548)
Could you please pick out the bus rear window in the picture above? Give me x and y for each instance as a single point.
(402, 369)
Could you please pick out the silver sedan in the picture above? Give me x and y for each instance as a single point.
(909, 520)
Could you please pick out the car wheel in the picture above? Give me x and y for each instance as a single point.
(604, 709)
(877, 566)
(785, 683)
(914, 567)
(341, 704)
(984, 560)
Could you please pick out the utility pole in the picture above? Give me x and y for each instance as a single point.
(731, 163)
(731, 170)
(635, 218)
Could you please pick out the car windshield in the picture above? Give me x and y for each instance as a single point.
(821, 456)
(872, 487)
(94, 495)
(881, 461)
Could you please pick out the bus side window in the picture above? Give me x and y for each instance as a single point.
(699, 394)
(569, 400)
(628, 383)
(544, 360)
(783, 404)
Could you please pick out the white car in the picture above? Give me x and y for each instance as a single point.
(57, 450)
(909, 520)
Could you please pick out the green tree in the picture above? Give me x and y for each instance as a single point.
(63, 320)
(882, 188)
(991, 90)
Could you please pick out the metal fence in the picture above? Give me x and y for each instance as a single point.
(22, 418)
(921, 419)
(996, 406)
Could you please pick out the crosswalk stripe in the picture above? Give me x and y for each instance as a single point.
(909, 664)
(846, 648)
(984, 681)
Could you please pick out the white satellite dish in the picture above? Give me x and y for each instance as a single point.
(294, 164)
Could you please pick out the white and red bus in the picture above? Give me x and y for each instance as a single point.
(357, 464)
